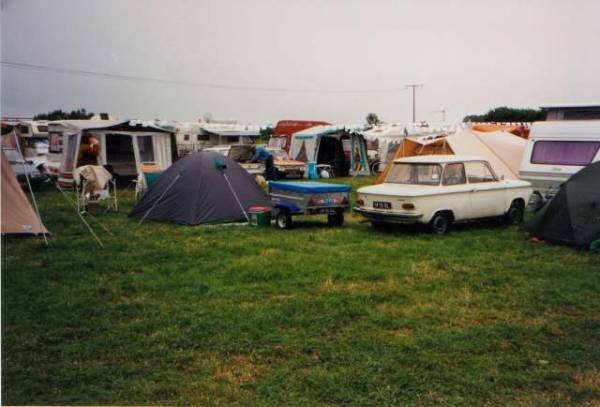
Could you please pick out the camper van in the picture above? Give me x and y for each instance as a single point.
(556, 150)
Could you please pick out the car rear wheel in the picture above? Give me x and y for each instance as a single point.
(440, 223)
(283, 219)
(514, 216)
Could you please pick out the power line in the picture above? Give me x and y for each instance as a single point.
(108, 75)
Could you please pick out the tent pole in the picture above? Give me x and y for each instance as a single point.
(158, 200)
(37, 211)
(75, 206)
(236, 197)
(82, 219)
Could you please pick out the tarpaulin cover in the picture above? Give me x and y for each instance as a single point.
(204, 187)
(309, 187)
(573, 216)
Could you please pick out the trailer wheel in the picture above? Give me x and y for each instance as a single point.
(283, 219)
(335, 219)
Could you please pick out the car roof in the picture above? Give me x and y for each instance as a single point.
(439, 159)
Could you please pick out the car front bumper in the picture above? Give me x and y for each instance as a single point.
(387, 216)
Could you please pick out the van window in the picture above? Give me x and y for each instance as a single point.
(42, 128)
(564, 152)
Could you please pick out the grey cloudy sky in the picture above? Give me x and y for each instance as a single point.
(470, 55)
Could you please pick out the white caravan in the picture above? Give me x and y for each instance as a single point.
(558, 149)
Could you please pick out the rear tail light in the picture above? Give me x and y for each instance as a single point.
(408, 206)
(360, 202)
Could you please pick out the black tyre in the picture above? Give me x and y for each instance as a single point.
(440, 223)
(335, 219)
(379, 225)
(514, 216)
(283, 219)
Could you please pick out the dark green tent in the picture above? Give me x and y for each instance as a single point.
(572, 217)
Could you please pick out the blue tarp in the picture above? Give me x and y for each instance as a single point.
(309, 187)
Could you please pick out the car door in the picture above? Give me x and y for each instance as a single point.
(456, 191)
(487, 193)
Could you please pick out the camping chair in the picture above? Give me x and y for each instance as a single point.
(148, 174)
(96, 188)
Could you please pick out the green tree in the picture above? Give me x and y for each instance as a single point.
(77, 114)
(373, 119)
(507, 114)
(266, 133)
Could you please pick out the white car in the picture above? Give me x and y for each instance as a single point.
(441, 189)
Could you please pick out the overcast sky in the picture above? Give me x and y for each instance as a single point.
(267, 60)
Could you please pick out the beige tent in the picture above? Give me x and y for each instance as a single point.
(18, 217)
(503, 150)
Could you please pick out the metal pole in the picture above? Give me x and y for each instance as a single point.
(414, 105)
(414, 87)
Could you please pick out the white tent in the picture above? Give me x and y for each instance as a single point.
(123, 145)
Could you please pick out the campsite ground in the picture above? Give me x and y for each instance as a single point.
(167, 314)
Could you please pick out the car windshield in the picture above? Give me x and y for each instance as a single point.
(281, 155)
(414, 174)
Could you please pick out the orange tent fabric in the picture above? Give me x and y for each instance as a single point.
(17, 217)
(517, 130)
(410, 147)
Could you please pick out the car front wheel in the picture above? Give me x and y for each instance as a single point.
(440, 223)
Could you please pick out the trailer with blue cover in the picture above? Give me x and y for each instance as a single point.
(309, 198)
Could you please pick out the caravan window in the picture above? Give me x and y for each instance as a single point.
(55, 142)
(564, 152)
(146, 149)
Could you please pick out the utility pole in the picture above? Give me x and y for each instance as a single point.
(414, 86)
(443, 112)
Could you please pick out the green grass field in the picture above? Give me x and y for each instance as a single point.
(223, 315)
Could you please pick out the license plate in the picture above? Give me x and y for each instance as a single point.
(382, 205)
